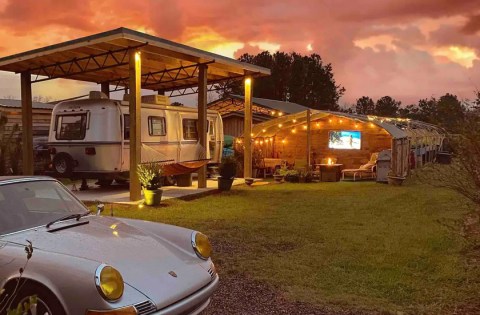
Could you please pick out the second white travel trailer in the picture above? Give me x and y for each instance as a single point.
(89, 138)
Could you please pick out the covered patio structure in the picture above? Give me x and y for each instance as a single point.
(126, 59)
(307, 138)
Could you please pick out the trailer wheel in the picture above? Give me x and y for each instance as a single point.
(63, 164)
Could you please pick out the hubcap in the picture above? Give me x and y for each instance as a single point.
(61, 166)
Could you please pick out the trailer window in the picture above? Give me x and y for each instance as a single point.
(190, 131)
(126, 127)
(71, 127)
(157, 126)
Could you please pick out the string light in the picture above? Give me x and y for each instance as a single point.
(251, 135)
(293, 130)
(329, 120)
(294, 120)
(318, 124)
(305, 127)
(280, 114)
(340, 120)
(280, 125)
(261, 142)
(273, 112)
(284, 141)
(264, 130)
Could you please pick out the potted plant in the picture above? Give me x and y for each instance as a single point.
(305, 176)
(395, 180)
(292, 176)
(227, 171)
(280, 174)
(150, 176)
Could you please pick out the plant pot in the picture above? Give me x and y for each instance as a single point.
(278, 178)
(225, 184)
(249, 181)
(302, 179)
(152, 197)
(395, 180)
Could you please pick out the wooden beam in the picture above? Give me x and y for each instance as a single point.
(202, 122)
(105, 88)
(247, 157)
(135, 65)
(309, 140)
(27, 123)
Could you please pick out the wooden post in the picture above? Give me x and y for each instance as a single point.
(27, 123)
(202, 122)
(247, 130)
(135, 66)
(105, 88)
(309, 139)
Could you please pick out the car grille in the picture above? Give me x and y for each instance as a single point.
(145, 308)
(211, 272)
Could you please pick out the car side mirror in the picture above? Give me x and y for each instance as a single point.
(100, 208)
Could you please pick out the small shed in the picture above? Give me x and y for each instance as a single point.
(42, 113)
(232, 110)
(312, 136)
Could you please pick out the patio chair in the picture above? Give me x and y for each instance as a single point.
(369, 169)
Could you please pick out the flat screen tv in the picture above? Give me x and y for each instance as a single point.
(348, 140)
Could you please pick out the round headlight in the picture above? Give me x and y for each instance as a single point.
(109, 282)
(201, 245)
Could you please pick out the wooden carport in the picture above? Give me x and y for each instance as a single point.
(123, 58)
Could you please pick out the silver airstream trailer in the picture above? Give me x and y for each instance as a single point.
(89, 138)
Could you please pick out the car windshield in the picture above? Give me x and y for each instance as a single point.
(29, 204)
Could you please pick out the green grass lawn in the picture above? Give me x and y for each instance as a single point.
(348, 245)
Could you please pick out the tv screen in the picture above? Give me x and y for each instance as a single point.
(345, 140)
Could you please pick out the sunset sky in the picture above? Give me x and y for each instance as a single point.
(409, 49)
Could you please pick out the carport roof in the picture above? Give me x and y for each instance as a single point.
(104, 57)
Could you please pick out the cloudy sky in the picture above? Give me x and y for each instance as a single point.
(409, 49)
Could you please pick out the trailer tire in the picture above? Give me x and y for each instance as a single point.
(63, 165)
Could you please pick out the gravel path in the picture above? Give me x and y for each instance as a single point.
(237, 294)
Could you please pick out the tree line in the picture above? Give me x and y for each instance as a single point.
(446, 111)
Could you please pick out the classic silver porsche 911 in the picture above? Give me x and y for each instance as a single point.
(90, 264)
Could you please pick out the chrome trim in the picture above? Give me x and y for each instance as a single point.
(194, 245)
(98, 272)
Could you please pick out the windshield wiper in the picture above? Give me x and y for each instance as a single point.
(69, 217)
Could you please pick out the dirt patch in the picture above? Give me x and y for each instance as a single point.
(239, 294)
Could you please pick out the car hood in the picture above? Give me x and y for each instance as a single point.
(146, 261)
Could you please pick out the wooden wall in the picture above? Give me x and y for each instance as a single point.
(233, 126)
(294, 146)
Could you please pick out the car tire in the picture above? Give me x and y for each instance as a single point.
(47, 302)
(63, 164)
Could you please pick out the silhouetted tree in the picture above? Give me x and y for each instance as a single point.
(365, 105)
(387, 106)
(305, 80)
(450, 112)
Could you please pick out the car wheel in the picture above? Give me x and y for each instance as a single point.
(104, 182)
(47, 302)
(63, 164)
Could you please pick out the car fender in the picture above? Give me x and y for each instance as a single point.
(65, 276)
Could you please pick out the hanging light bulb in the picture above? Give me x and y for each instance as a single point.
(340, 121)
(305, 127)
(293, 130)
(318, 124)
(330, 120)
(273, 113)
(264, 130)
(294, 120)
(251, 135)
(261, 142)
(284, 141)
(280, 114)
(280, 125)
